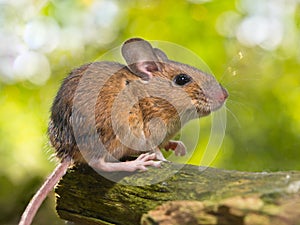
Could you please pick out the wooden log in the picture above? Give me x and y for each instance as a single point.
(220, 196)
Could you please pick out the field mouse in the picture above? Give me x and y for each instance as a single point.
(105, 111)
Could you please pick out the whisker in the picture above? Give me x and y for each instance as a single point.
(234, 82)
(234, 116)
(244, 104)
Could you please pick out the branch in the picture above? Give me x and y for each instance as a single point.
(220, 196)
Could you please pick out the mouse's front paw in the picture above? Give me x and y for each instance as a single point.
(177, 146)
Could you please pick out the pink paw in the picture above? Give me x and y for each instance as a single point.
(177, 146)
(142, 162)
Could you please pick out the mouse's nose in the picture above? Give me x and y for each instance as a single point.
(224, 94)
(218, 97)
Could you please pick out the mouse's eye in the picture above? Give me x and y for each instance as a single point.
(182, 79)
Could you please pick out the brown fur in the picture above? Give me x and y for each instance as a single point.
(138, 118)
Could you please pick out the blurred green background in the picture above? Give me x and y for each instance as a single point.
(252, 47)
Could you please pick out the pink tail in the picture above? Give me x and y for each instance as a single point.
(42, 193)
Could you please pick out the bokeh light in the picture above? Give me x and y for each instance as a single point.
(41, 28)
(42, 34)
(32, 66)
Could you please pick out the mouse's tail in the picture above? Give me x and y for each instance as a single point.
(42, 193)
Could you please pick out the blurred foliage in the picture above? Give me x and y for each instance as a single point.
(252, 47)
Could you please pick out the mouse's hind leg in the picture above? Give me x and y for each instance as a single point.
(140, 163)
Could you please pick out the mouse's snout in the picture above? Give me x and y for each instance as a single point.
(223, 95)
(218, 96)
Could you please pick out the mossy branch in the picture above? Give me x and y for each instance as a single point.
(179, 194)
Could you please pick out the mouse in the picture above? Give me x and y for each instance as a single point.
(106, 111)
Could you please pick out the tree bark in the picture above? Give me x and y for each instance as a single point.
(177, 194)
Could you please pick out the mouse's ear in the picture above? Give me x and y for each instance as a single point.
(160, 55)
(140, 58)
